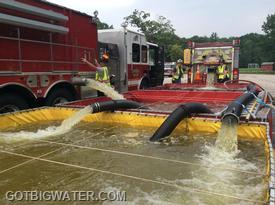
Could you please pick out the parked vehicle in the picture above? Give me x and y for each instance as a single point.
(137, 64)
(205, 57)
(169, 68)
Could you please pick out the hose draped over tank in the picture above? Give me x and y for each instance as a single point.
(183, 111)
(235, 109)
(115, 105)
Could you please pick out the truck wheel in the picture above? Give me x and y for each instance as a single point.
(57, 96)
(11, 103)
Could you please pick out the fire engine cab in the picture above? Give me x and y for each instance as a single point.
(135, 63)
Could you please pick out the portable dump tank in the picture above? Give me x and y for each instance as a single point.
(38, 155)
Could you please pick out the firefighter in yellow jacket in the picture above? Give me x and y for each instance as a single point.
(178, 72)
(222, 72)
(102, 71)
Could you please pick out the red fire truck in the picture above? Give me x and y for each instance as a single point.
(41, 45)
(139, 64)
(207, 56)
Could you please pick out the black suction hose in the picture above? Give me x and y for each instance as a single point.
(183, 111)
(235, 109)
(115, 105)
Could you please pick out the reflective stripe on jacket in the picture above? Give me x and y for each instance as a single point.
(179, 72)
(221, 70)
(103, 76)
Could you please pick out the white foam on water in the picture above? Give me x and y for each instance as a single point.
(214, 176)
(65, 127)
(107, 90)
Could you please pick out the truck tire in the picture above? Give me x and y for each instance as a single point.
(12, 103)
(60, 95)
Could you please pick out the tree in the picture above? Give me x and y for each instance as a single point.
(252, 49)
(214, 37)
(159, 31)
(101, 25)
(175, 52)
(269, 25)
(151, 28)
(269, 40)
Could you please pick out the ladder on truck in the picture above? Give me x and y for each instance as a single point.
(253, 107)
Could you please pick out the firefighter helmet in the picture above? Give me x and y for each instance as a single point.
(105, 57)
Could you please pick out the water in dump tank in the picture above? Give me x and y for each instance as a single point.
(217, 173)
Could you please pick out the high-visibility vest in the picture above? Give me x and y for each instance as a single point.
(221, 74)
(103, 76)
(179, 72)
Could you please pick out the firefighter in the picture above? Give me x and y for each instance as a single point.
(222, 73)
(102, 71)
(178, 72)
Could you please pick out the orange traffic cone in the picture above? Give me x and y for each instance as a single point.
(198, 76)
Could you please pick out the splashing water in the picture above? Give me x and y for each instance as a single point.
(107, 90)
(65, 127)
(227, 137)
(67, 124)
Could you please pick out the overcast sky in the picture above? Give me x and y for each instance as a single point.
(189, 17)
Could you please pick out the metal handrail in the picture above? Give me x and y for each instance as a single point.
(44, 42)
(42, 61)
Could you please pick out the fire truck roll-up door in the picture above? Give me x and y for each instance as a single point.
(34, 24)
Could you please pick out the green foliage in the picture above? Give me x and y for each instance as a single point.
(175, 52)
(214, 37)
(255, 71)
(158, 31)
(251, 49)
(102, 25)
(269, 25)
(269, 41)
(153, 29)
